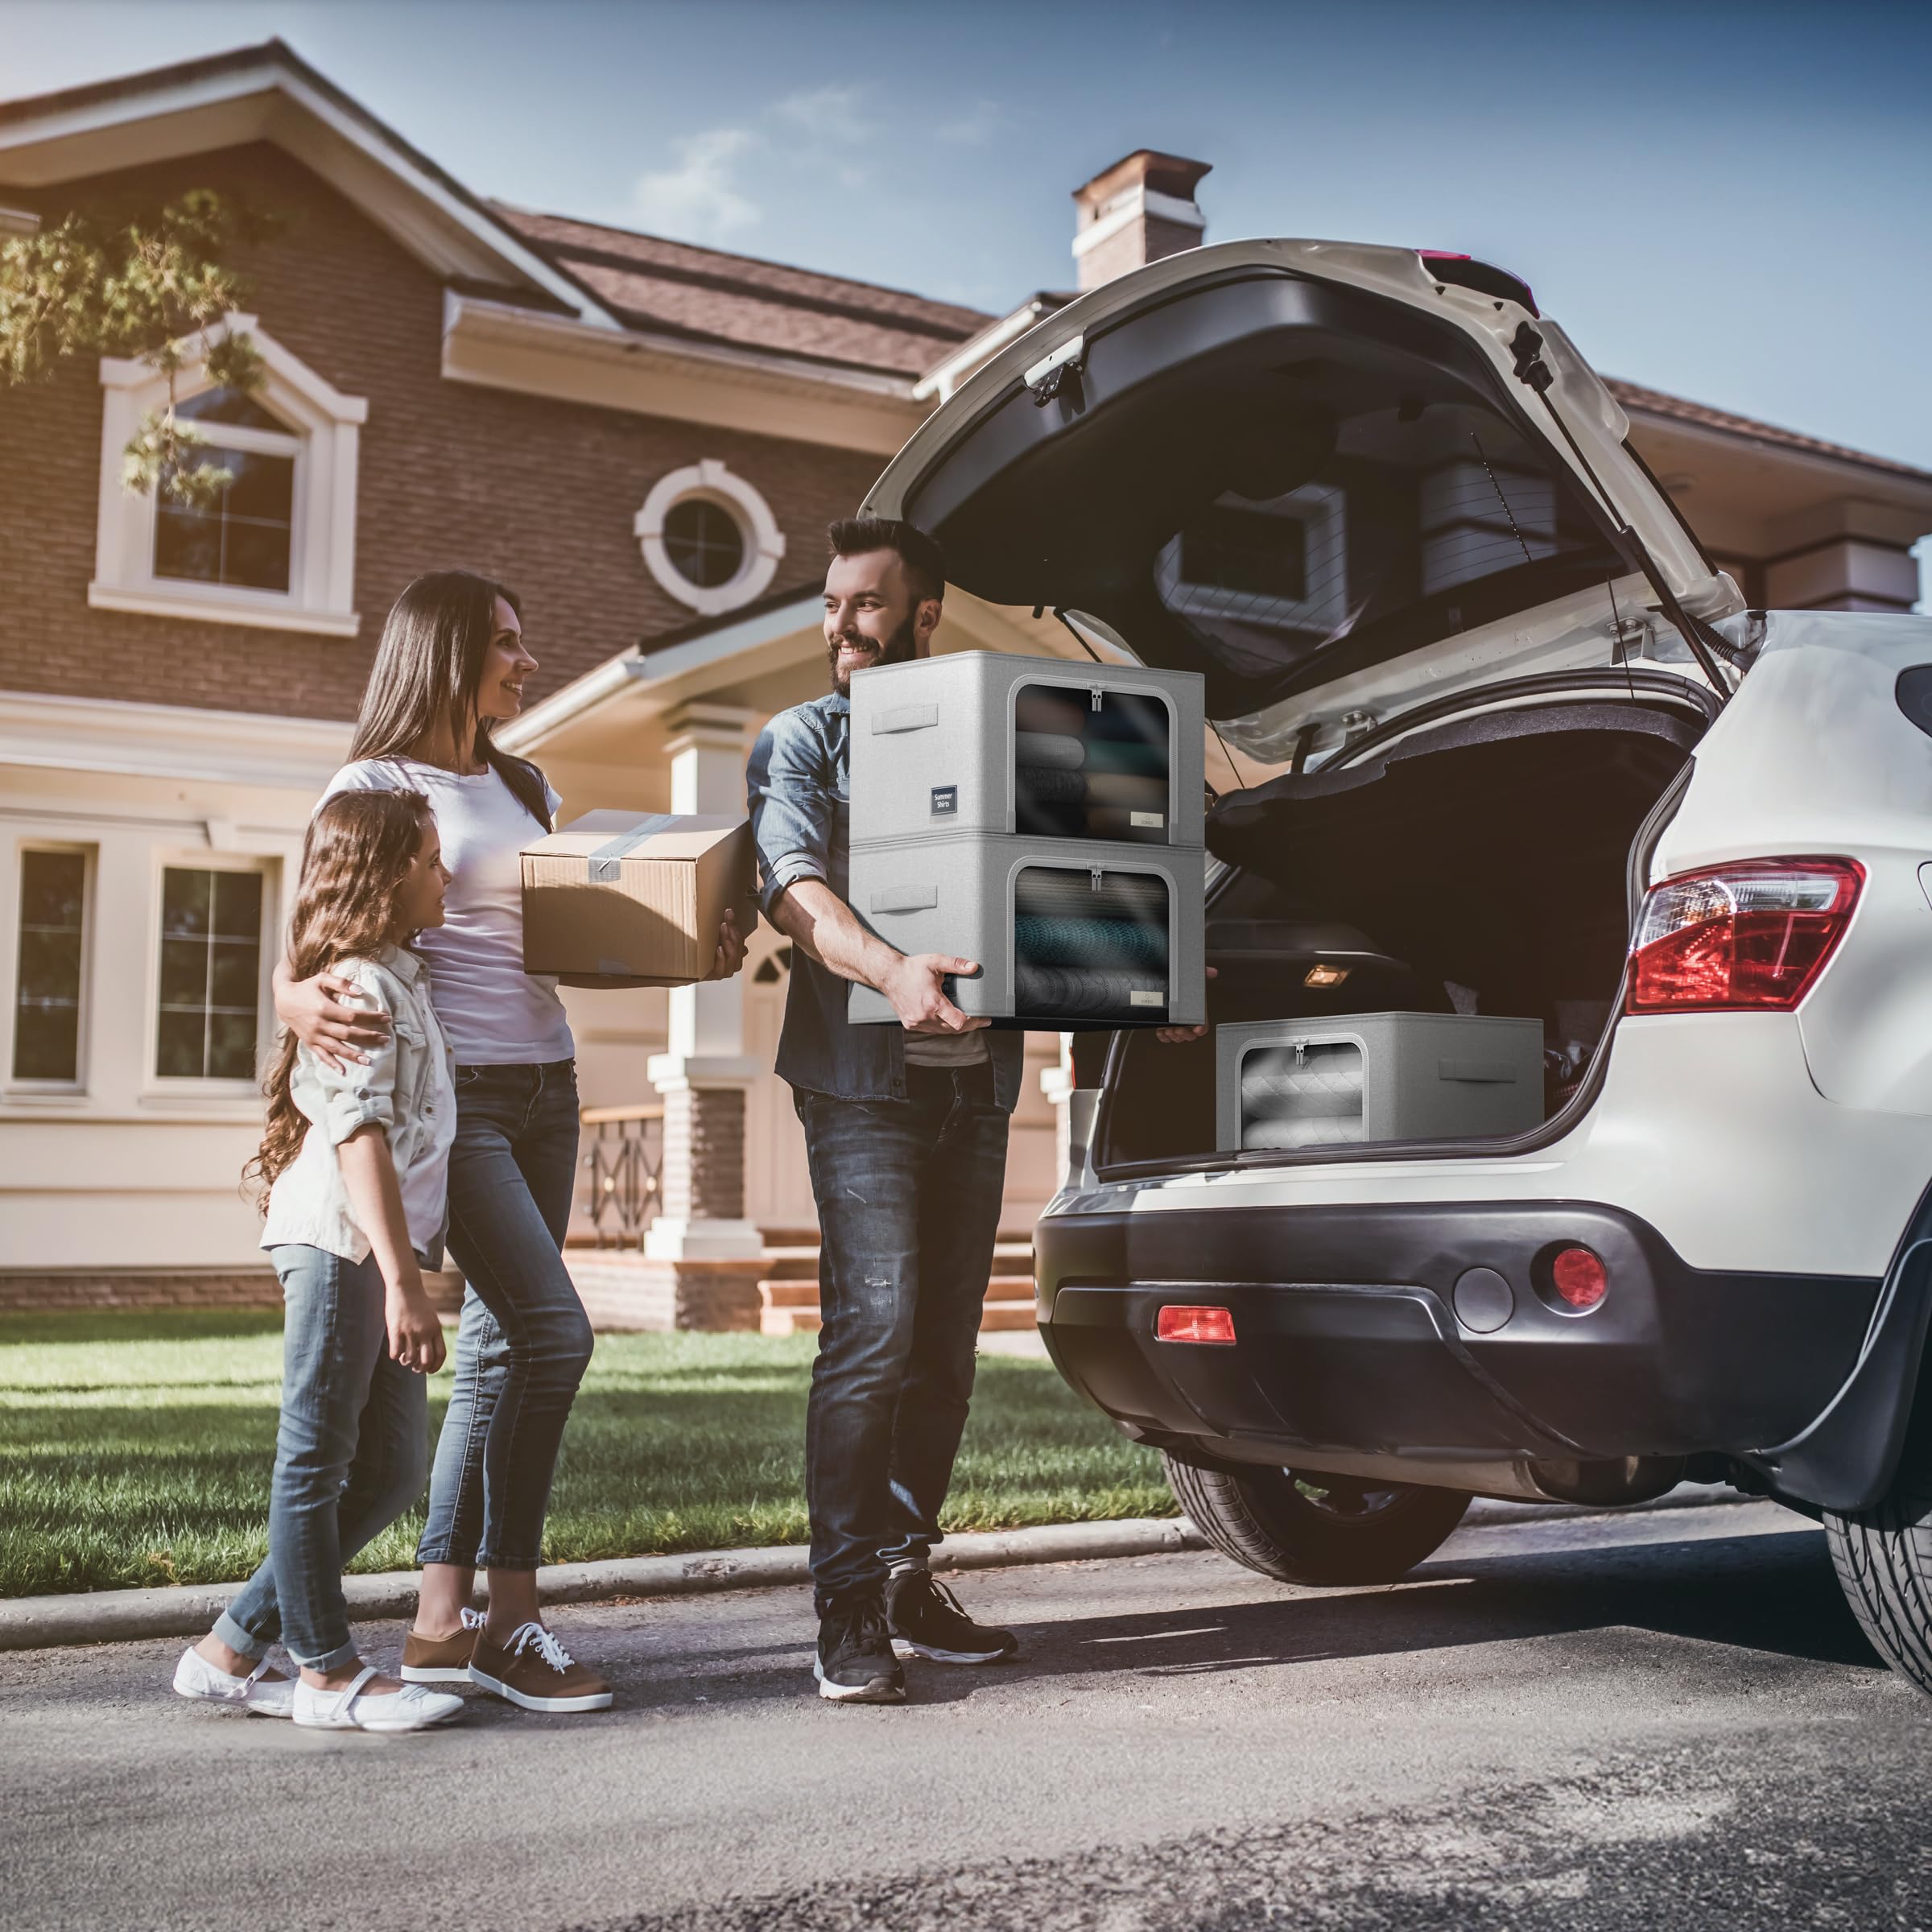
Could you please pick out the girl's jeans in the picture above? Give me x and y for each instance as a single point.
(350, 1456)
(524, 1340)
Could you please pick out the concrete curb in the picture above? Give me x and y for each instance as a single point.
(100, 1616)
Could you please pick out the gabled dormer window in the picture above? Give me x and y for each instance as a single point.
(276, 545)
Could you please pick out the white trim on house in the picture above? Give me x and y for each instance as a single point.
(498, 345)
(170, 741)
(275, 99)
(1136, 204)
(324, 427)
(709, 481)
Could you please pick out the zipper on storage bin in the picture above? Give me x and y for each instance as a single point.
(1096, 873)
(1098, 693)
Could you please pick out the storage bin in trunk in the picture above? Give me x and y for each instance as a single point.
(1375, 1076)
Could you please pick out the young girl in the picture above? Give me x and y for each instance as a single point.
(356, 1163)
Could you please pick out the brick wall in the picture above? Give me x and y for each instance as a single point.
(64, 1289)
(539, 492)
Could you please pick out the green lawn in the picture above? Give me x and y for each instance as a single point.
(134, 1448)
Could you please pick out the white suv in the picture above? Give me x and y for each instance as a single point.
(1513, 747)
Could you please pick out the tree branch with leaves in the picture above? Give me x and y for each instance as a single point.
(156, 286)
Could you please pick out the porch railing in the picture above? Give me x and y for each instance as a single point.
(623, 1162)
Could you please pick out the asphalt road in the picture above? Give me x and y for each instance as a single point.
(1658, 1719)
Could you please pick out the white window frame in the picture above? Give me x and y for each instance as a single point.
(154, 1084)
(326, 426)
(10, 970)
(711, 482)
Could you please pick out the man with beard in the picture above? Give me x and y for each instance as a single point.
(905, 1135)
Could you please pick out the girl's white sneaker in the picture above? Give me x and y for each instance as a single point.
(196, 1678)
(415, 1707)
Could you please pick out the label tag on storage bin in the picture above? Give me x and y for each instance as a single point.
(1153, 821)
(1146, 999)
(945, 801)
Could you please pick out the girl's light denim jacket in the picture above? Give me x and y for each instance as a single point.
(407, 1087)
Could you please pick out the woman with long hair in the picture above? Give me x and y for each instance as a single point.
(354, 1164)
(450, 668)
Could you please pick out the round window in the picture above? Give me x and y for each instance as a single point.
(704, 542)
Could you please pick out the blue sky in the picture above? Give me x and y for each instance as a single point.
(1730, 202)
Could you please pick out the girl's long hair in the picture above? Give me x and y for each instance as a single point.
(429, 668)
(360, 847)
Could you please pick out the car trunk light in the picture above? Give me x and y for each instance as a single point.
(1579, 1277)
(1753, 935)
(1178, 1322)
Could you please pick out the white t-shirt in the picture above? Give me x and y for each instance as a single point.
(493, 1012)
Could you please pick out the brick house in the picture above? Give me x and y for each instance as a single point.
(647, 439)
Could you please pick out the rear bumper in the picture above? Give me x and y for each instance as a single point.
(1350, 1354)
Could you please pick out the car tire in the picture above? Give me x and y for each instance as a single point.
(1883, 1556)
(1309, 1529)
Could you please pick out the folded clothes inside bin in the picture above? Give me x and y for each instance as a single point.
(1070, 942)
(1120, 788)
(1137, 759)
(1085, 993)
(1047, 785)
(1053, 749)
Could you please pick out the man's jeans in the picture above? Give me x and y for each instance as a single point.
(524, 1341)
(909, 1197)
(350, 1452)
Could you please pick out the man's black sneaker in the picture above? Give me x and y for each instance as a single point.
(855, 1664)
(926, 1621)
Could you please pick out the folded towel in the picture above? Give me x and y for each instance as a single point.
(1149, 761)
(1049, 785)
(1054, 892)
(1045, 708)
(1062, 753)
(1315, 1131)
(1069, 941)
(1117, 788)
(1074, 993)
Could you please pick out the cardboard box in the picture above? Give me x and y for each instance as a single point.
(635, 898)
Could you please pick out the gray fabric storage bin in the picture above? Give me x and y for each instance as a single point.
(1375, 1076)
(1030, 912)
(1027, 747)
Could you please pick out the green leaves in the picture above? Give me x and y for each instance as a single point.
(156, 287)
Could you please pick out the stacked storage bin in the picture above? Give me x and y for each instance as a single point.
(1375, 1076)
(1042, 817)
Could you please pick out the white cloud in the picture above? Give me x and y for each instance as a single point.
(699, 200)
(976, 125)
(821, 111)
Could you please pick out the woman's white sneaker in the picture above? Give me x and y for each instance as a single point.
(413, 1707)
(194, 1677)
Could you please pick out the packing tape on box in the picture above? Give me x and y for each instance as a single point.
(604, 865)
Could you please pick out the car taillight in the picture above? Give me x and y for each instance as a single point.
(1177, 1322)
(1754, 935)
(1579, 1277)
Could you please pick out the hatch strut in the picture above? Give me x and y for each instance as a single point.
(1706, 646)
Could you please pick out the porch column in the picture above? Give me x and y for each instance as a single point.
(703, 1079)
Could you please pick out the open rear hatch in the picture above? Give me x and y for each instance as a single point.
(1337, 480)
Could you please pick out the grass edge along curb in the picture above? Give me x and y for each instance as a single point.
(100, 1616)
(97, 1616)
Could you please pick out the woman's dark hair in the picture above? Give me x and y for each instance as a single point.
(359, 848)
(428, 669)
(924, 560)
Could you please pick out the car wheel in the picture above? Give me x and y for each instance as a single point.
(1304, 1528)
(1883, 1559)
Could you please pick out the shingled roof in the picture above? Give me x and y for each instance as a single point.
(1698, 415)
(705, 295)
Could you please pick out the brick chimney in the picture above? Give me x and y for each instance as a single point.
(1136, 212)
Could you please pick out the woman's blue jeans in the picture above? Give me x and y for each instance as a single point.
(523, 1341)
(350, 1452)
(908, 1194)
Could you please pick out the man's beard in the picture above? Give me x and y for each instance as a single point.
(898, 649)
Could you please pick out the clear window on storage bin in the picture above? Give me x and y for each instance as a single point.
(1308, 1094)
(1090, 764)
(1090, 947)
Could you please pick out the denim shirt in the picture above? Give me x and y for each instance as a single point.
(799, 785)
(406, 1088)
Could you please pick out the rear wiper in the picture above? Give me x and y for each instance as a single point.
(1706, 644)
